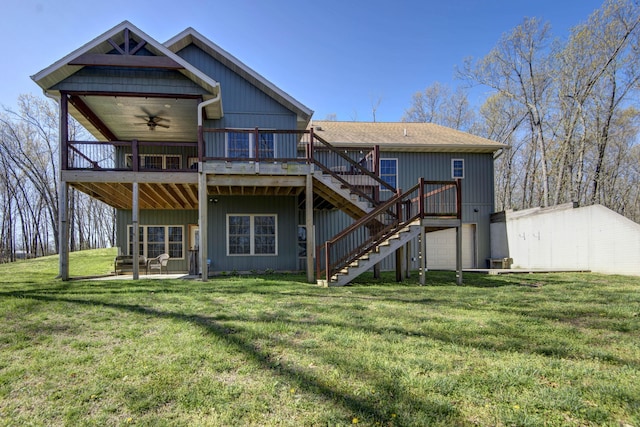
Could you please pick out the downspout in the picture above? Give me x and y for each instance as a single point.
(202, 190)
(208, 102)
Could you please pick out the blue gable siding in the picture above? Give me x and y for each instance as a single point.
(245, 106)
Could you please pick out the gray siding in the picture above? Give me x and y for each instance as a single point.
(287, 228)
(477, 186)
(158, 217)
(285, 144)
(477, 194)
(284, 207)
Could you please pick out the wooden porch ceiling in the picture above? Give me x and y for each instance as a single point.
(173, 195)
(152, 195)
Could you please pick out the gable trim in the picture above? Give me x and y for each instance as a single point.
(101, 45)
(103, 59)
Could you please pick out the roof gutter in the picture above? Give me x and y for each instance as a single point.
(204, 104)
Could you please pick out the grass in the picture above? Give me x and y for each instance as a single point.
(523, 350)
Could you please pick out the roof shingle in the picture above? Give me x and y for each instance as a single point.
(399, 136)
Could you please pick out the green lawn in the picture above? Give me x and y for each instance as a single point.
(537, 349)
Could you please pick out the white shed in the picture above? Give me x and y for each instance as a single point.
(567, 237)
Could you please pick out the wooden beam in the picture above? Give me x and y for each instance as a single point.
(84, 109)
(63, 241)
(164, 177)
(135, 213)
(423, 256)
(132, 61)
(64, 131)
(179, 193)
(256, 181)
(202, 224)
(459, 254)
(104, 194)
(157, 194)
(308, 207)
(192, 192)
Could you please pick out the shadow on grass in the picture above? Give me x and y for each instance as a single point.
(303, 380)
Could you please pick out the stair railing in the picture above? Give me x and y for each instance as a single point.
(425, 199)
(350, 172)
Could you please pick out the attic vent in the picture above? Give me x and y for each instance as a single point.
(318, 127)
(405, 131)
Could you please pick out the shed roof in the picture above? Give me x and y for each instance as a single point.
(399, 136)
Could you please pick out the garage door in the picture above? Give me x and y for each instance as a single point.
(441, 248)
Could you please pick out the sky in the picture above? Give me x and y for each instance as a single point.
(337, 57)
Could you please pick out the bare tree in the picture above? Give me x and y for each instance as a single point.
(29, 186)
(519, 67)
(438, 104)
(375, 100)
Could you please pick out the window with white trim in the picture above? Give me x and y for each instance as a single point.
(158, 239)
(156, 161)
(457, 168)
(242, 145)
(254, 234)
(389, 172)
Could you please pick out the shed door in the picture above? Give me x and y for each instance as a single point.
(441, 248)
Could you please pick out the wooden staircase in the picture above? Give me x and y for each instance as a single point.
(381, 230)
(368, 260)
(340, 195)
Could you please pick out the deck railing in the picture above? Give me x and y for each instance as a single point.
(356, 168)
(131, 156)
(353, 168)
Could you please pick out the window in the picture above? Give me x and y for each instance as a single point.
(457, 168)
(157, 161)
(266, 146)
(252, 235)
(389, 171)
(238, 145)
(172, 162)
(158, 239)
(239, 235)
(241, 145)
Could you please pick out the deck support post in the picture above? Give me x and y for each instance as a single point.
(399, 262)
(135, 213)
(202, 221)
(63, 196)
(459, 253)
(63, 226)
(407, 261)
(423, 256)
(308, 208)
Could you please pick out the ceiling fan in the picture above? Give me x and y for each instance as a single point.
(153, 121)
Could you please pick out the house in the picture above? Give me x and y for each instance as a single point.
(206, 160)
(567, 237)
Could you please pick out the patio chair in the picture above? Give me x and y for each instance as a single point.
(158, 263)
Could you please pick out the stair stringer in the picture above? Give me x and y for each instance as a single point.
(384, 249)
(347, 201)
